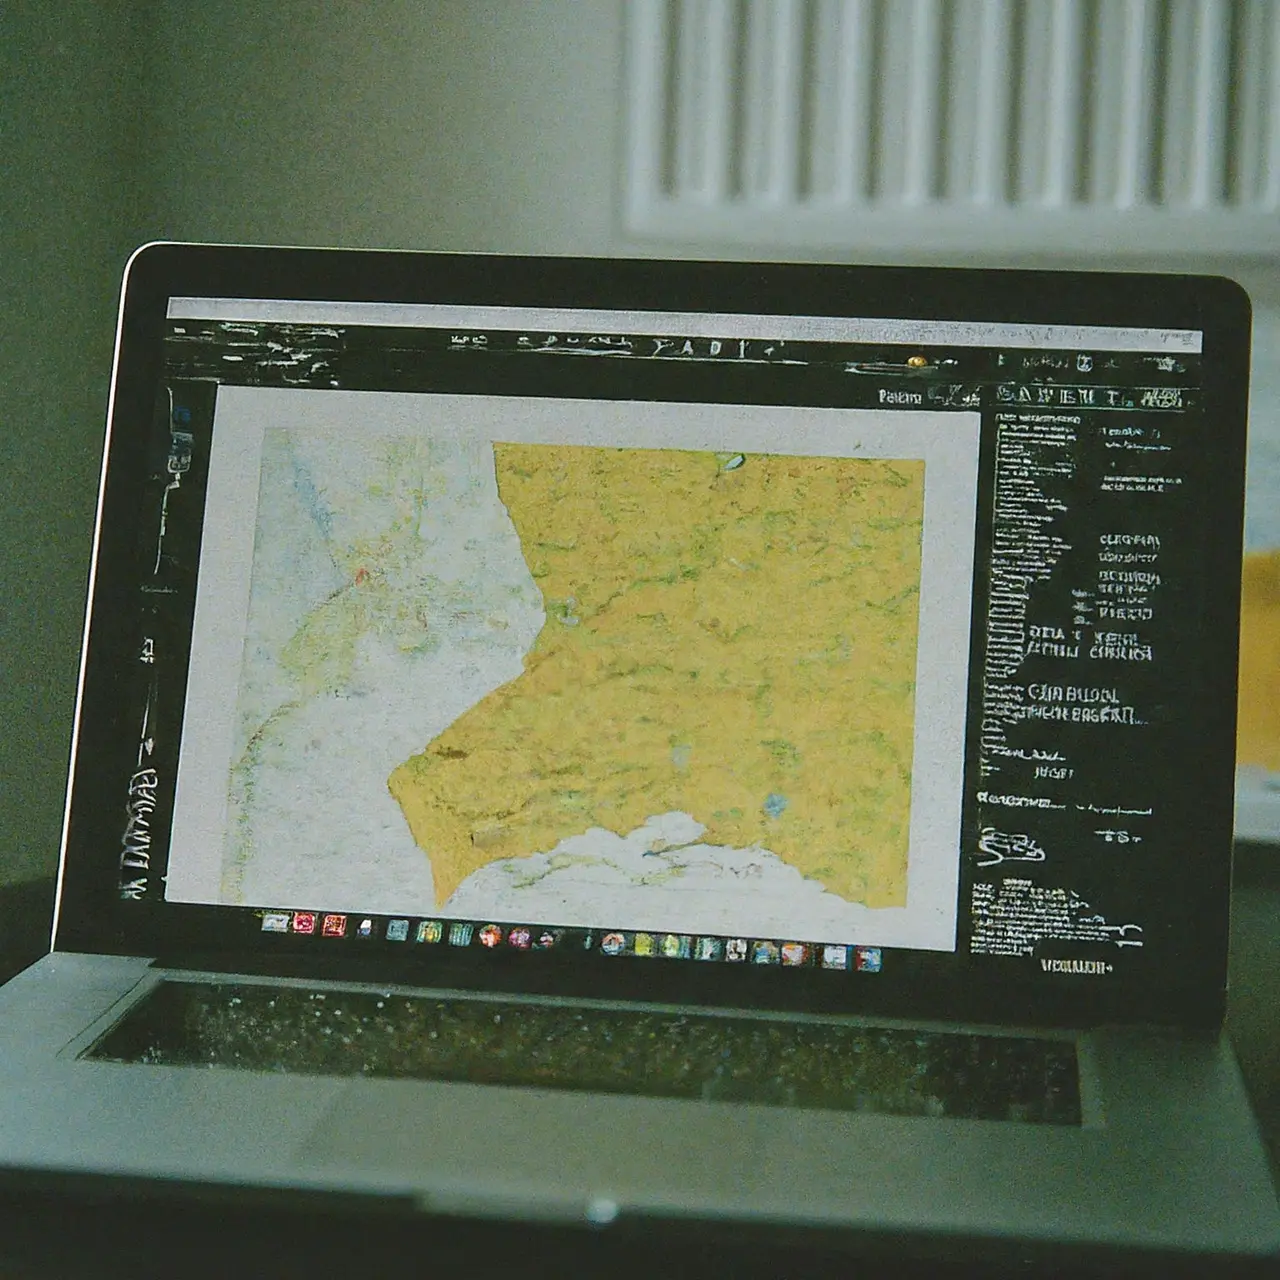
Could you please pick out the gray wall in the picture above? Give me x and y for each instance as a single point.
(433, 124)
(449, 124)
(67, 213)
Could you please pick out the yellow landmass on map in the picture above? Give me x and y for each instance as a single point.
(1258, 731)
(731, 637)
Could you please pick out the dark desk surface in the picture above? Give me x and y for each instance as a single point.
(90, 1233)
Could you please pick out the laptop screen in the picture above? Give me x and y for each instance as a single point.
(867, 647)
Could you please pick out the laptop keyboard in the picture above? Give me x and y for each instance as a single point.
(813, 1064)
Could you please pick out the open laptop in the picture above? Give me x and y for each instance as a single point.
(627, 742)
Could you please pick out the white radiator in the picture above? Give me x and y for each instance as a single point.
(1125, 126)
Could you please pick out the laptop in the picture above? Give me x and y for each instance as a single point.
(625, 743)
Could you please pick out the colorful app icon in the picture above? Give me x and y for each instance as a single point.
(675, 946)
(835, 957)
(304, 922)
(460, 933)
(275, 922)
(735, 949)
(490, 935)
(643, 944)
(614, 944)
(764, 952)
(547, 939)
(334, 926)
(709, 949)
(795, 953)
(867, 959)
(365, 928)
(429, 931)
(397, 930)
(520, 937)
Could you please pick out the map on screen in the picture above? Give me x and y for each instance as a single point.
(484, 668)
(716, 657)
